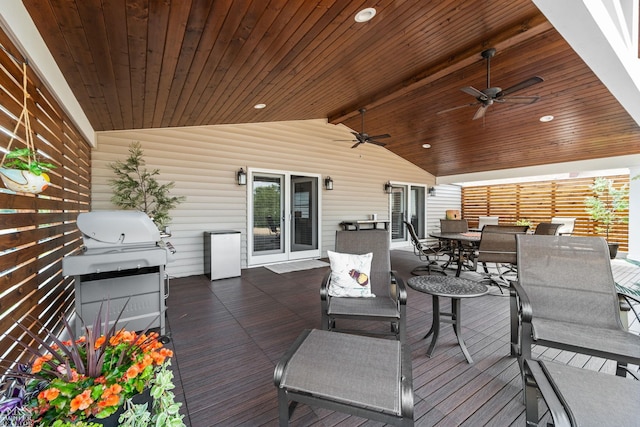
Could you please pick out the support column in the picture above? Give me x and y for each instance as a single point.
(634, 214)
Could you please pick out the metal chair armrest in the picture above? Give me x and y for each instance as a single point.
(401, 289)
(522, 299)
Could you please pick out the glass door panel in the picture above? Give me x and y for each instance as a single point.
(418, 210)
(398, 212)
(304, 220)
(267, 193)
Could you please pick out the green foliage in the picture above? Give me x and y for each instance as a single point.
(523, 221)
(606, 204)
(137, 188)
(25, 159)
(165, 410)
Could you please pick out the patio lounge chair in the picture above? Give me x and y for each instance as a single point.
(565, 298)
(567, 225)
(487, 220)
(428, 254)
(390, 301)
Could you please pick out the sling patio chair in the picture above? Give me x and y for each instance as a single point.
(565, 298)
(498, 246)
(579, 397)
(428, 254)
(347, 289)
(547, 228)
(458, 250)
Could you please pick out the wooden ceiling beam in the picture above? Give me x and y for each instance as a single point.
(533, 26)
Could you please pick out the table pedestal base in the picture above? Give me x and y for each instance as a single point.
(444, 317)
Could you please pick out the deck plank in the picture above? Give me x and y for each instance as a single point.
(229, 334)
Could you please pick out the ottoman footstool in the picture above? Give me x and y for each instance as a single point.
(362, 376)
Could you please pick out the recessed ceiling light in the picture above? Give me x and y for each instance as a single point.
(365, 14)
(259, 106)
(546, 118)
(426, 145)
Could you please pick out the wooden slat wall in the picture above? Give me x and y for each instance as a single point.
(539, 202)
(37, 231)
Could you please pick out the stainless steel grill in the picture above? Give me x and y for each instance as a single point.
(123, 262)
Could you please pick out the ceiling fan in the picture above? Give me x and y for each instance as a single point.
(485, 98)
(362, 137)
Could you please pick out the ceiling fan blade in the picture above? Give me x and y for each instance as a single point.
(520, 99)
(384, 135)
(480, 112)
(474, 92)
(457, 108)
(356, 144)
(381, 144)
(523, 84)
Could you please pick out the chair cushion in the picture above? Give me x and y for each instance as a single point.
(350, 275)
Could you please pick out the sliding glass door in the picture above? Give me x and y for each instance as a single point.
(284, 217)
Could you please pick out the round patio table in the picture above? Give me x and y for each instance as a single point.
(448, 287)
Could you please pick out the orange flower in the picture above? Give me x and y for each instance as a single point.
(111, 400)
(50, 393)
(99, 342)
(100, 380)
(37, 364)
(81, 401)
(132, 372)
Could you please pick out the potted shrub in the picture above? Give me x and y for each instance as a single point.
(22, 171)
(605, 208)
(137, 188)
(99, 379)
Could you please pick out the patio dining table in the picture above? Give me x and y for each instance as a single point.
(461, 241)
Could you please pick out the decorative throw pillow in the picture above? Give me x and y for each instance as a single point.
(350, 275)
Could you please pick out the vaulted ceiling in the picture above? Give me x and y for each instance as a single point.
(136, 64)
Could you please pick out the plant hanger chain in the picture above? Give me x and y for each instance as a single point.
(24, 116)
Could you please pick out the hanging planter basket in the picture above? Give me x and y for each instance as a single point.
(20, 169)
(24, 181)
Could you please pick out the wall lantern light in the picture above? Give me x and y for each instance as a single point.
(328, 183)
(388, 188)
(242, 177)
(431, 191)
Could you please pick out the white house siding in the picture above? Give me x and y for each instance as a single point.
(448, 196)
(203, 162)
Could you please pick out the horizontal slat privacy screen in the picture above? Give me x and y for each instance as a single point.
(539, 202)
(37, 231)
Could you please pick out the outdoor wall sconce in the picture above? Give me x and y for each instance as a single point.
(431, 191)
(388, 188)
(328, 183)
(242, 177)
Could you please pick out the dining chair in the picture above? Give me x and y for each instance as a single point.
(454, 249)
(568, 224)
(428, 254)
(547, 228)
(498, 246)
(487, 220)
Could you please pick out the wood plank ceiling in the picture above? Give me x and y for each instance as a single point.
(158, 63)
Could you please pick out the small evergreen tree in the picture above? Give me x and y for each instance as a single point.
(136, 188)
(606, 204)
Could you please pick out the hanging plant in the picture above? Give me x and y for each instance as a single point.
(20, 169)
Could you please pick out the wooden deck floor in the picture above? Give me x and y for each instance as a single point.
(229, 334)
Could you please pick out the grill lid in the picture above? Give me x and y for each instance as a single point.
(102, 229)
